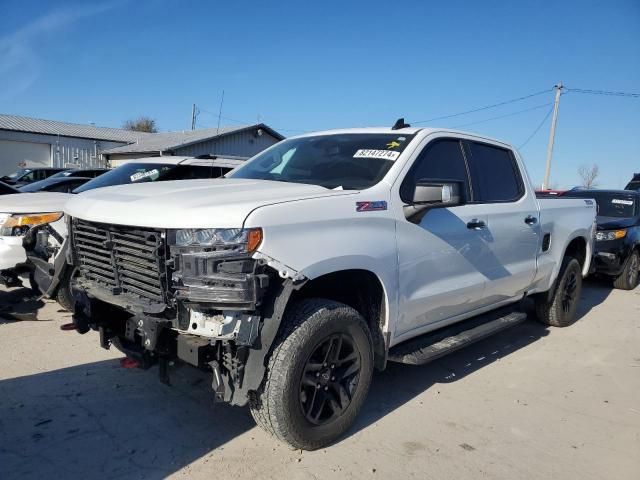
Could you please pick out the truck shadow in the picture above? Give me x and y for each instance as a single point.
(100, 421)
(19, 304)
(399, 384)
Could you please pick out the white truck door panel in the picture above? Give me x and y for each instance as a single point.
(513, 226)
(442, 267)
(442, 262)
(514, 244)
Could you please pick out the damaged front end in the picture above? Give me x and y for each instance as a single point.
(197, 296)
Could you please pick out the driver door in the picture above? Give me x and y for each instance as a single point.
(443, 258)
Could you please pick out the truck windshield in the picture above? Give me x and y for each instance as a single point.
(349, 161)
(129, 173)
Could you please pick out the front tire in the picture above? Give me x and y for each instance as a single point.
(560, 309)
(628, 279)
(317, 376)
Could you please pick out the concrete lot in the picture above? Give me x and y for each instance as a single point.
(530, 402)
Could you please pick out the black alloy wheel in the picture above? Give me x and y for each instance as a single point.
(330, 378)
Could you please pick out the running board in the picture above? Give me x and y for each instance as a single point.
(433, 345)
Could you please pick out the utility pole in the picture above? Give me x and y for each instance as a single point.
(552, 134)
(193, 117)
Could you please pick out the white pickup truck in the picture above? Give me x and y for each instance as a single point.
(323, 258)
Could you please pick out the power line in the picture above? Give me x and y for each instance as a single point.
(604, 92)
(479, 109)
(242, 122)
(504, 116)
(537, 129)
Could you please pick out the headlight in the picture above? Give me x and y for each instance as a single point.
(610, 235)
(222, 240)
(18, 224)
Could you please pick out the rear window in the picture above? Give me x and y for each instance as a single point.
(494, 174)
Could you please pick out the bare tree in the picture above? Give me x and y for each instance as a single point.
(141, 124)
(589, 175)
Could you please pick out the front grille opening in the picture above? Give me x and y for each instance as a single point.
(121, 260)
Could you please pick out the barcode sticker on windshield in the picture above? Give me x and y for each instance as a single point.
(370, 153)
(622, 202)
(140, 175)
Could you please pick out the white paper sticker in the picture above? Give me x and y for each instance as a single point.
(370, 153)
(622, 202)
(140, 175)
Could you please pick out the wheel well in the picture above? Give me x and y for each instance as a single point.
(577, 249)
(361, 290)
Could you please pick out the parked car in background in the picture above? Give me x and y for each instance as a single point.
(7, 189)
(82, 172)
(617, 247)
(30, 175)
(42, 252)
(323, 257)
(634, 184)
(54, 184)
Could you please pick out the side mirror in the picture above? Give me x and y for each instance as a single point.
(433, 194)
(436, 193)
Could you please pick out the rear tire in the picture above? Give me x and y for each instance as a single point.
(628, 279)
(560, 309)
(317, 376)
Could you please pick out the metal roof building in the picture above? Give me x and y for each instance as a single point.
(243, 141)
(33, 142)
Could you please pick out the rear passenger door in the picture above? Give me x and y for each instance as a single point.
(513, 226)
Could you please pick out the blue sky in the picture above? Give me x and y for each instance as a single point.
(316, 65)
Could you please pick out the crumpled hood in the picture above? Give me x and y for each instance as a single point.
(38, 202)
(221, 203)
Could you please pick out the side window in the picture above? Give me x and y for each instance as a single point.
(439, 160)
(494, 174)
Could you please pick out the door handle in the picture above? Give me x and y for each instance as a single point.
(530, 220)
(476, 224)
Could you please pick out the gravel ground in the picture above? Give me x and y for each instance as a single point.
(530, 402)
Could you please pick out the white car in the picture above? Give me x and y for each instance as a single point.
(40, 216)
(322, 258)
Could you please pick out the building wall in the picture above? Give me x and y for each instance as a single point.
(243, 144)
(14, 155)
(64, 150)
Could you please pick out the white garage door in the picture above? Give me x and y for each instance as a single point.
(14, 155)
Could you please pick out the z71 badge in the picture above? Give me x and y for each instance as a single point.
(374, 206)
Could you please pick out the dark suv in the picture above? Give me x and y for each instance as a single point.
(617, 246)
(634, 184)
(25, 176)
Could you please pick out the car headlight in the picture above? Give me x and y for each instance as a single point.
(18, 224)
(218, 240)
(610, 235)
